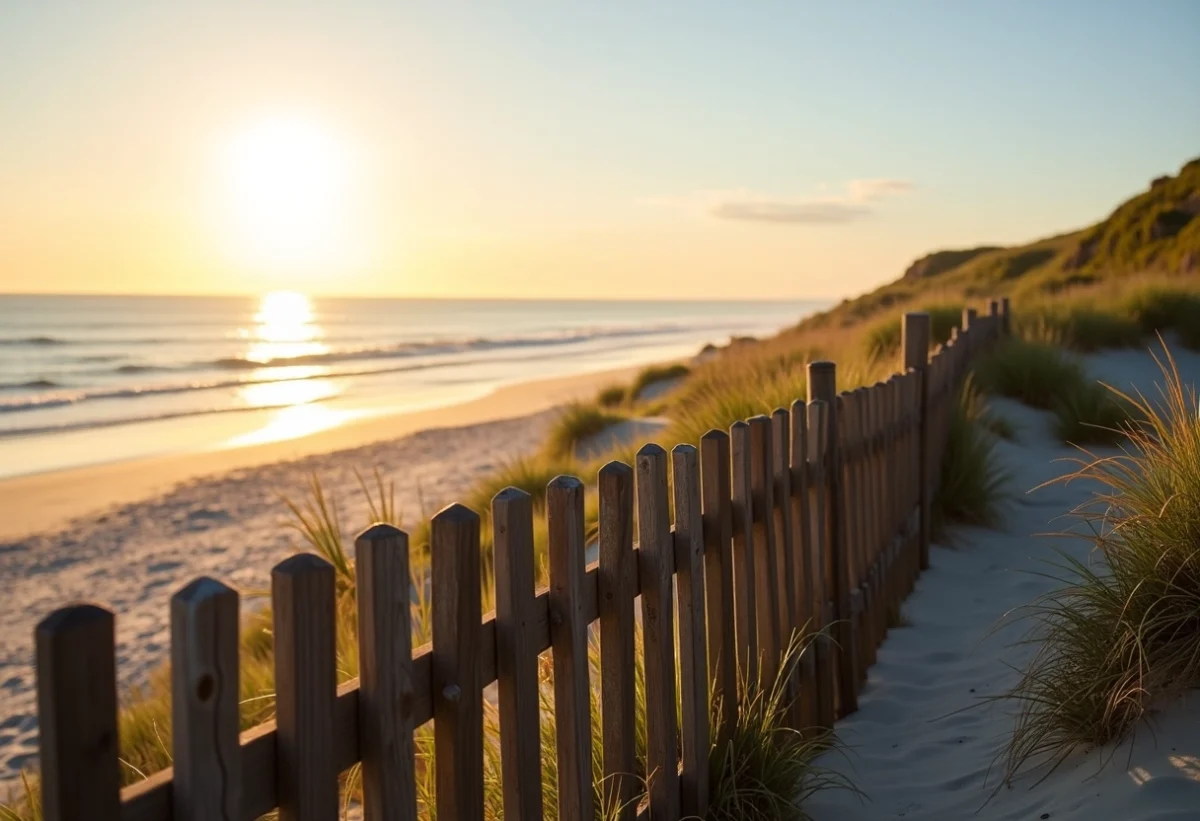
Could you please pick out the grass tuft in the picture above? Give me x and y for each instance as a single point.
(973, 485)
(656, 373)
(765, 770)
(1121, 633)
(612, 396)
(577, 422)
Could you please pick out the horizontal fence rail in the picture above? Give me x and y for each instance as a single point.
(813, 520)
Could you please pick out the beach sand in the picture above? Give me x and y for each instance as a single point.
(129, 535)
(926, 739)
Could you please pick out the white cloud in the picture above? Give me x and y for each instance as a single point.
(855, 202)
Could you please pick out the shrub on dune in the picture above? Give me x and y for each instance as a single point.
(883, 339)
(612, 397)
(1121, 634)
(972, 485)
(576, 422)
(656, 373)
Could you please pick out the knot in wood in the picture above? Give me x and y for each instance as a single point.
(451, 692)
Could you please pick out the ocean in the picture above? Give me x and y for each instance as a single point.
(92, 379)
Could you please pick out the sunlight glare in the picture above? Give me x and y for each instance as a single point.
(290, 182)
(286, 328)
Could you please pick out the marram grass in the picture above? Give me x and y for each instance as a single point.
(1122, 633)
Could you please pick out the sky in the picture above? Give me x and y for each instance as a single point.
(529, 149)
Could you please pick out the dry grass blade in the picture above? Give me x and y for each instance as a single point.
(1122, 632)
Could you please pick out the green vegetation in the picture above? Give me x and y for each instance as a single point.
(1044, 376)
(765, 771)
(972, 486)
(612, 397)
(1121, 634)
(577, 422)
(654, 374)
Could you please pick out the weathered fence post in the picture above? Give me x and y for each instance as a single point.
(617, 584)
(916, 358)
(745, 605)
(656, 558)
(516, 654)
(77, 714)
(457, 689)
(1005, 312)
(302, 595)
(385, 680)
(718, 576)
(207, 780)
(822, 385)
(568, 640)
(693, 655)
(766, 574)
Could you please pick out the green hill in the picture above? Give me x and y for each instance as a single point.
(1155, 234)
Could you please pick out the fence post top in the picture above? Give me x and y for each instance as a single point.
(73, 617)
(651, 449)
(457, 514)
(618, 468)
(715, 435)
(301, 563)
(380, 532)
(564, 481)
(204, 587)
(916, 316)
(683, 448)
(821, 366)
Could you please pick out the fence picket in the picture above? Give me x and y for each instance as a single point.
(658, 631)
(744, 578)
(693, 662)
(568, 636)
(77, 714)
(207, 779)
(718, 576)
(516, 655)
(766, 574)
(617, 588)
(457, 689)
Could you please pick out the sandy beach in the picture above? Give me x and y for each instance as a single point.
(926, 741)
(129, 535)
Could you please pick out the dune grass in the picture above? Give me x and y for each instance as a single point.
(612, 396)
(973, 486)
(1121, 633)
(1045, 376)
(656, 373)
(577, 422)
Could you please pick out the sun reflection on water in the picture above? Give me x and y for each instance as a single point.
(286, 328)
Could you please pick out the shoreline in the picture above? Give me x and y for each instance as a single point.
(49, 501)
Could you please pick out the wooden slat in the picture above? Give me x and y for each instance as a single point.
(516, 655)
(302, 597)
(693, 651)
(802, 544)
(457, 680)
(745, 607)
(718, 576)
(568, 638)
(654, 542)
(617, 580)
(819, 567)
(766, 574)
(77, 714)
(916, 356)
(822, 384)
(204, 702)
(385, 718)
(785, 559)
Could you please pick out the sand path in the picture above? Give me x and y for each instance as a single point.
(925, 741)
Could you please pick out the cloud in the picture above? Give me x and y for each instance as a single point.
(854, 203)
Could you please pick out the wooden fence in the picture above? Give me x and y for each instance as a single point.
(815, 517)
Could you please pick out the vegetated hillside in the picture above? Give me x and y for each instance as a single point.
(1157, 232)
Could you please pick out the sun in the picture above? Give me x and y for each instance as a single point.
(290, 191)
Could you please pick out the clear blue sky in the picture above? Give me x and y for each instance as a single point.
(615, 149)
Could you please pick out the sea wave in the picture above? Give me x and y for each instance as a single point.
(95, 424)
(31, 385)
